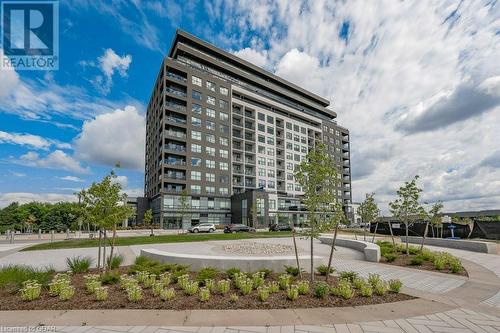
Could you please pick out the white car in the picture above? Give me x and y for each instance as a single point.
(202, 227)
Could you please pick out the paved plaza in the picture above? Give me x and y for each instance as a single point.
(446, 303)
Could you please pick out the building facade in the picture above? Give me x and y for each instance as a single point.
(223, 137)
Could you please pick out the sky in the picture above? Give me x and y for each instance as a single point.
(417, 83)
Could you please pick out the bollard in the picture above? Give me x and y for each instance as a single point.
(7, 234)
(67, 233)
(51, 236)
(12, 237)
(39, 233)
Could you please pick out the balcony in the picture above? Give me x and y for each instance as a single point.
(176, 120)
(345, 146)
(238, 123)
(345, 138)
(237, 110)
(175, 162)
(174, 148)
(176, 77)
(175, 176)
(175, 134)
(173, 189)
(176, 106)
(176, 92)
(346, 162)
(346, 155)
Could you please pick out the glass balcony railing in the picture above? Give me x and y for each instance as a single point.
(176, 120)
(175, 134)
(175, 162)
(176, 77)
(175, 92)
(175, 148)
(176, 106)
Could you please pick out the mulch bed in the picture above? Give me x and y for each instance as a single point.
(11, 300)
(404, 261)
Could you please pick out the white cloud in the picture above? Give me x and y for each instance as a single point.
(109, 63)
(71, 179)
(21, 197)
(54, 160)
(30, 140)
(118, 136)
(258, 58)
(122, 180)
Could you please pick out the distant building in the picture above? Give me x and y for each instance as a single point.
(140, 205)
(352, 213)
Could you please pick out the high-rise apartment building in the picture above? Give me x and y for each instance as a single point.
(223, 138)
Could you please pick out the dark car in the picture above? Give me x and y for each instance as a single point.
(234, 228)
(280, 227)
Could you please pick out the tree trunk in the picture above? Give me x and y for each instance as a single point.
(152, 231)
(331, 252)
(112, 247)
(432, 229)
(312, 250)
(375, 232)
(99, 252)
(425, 234)
(364, 232)
(392, 234)
(407, 240)
(104, 252)
(296, 252)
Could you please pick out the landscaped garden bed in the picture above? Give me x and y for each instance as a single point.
(151, 285)
(442, 262)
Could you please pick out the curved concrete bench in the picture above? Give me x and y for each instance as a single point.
(244, 263)
(459, 244)
(371, 251)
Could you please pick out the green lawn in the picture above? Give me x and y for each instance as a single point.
(125, 241)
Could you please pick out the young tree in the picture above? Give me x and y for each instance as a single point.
(105, 206)
(184, 205)
(368, 210)
(432, 217)
(317, 176)
(336, 218)
(406, 207)
(148, 220)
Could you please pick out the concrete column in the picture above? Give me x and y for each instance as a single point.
(7, 234)
(51, 236)
(67, 233)
(39, 233)
(12, 237)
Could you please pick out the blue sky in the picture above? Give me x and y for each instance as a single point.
(418, 85)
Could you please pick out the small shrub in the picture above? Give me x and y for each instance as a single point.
(183, 280)
(141, 276)
(274, 287)
(417, 260)
(366, 290)
(258, 279)
(390, 257)
(439, 263)
(232, 271)
(191, 288)
(267, 272)
(321, 289)
(204, 294)
(79, 264)
(149, 280)
(246, 286)
(413, 250)
(292, 293)
(115, 262)
(380, 288)
(263, 293)
(357, 283)
(284, 281)
(157, 288)
(455, 266)
(206, 274)
(395, 285)
(350, 276)
(110, 278)
(343, 289)
(210, 284)
(223, 286)
(165, 278)
(59, 282)
(167, 294)
(13, 276)
(101, 293)
(303, 287)
(292, 270)
(66, 293)
(323, 270)
(31, 290)
(134, 293)
(233, 298)
(373, 279)
(92, 285)
(427, 255)
(127, 282)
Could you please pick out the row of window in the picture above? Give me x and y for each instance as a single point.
(174, 201)
(270, 183)
(262, 161)
(210, 164)
(331, 131)
(209, 85)
(196, 189)
(211, 100)
(196, 135)
(223, 153)
(198, 109)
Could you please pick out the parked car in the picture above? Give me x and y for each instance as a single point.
(202, 227)
(280, 227)
(234, 228)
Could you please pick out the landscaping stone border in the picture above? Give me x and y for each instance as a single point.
(461, 244)
(371, 251)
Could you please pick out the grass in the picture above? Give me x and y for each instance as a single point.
(138, 240)
(79, 264)
(14, 275)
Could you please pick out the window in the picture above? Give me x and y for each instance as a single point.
(210, 164)
(296, 138)
(270, 173)
(296, 157)
(223, 166)
(196, 121)
(272, 204)
(195, 189)
(223, 191)
(196, 108)
(223, 153)
(261, 116)
(262, 139)
(270, 130)
(270, 162)
(296, 147)
(210, 151)
(210, 189)
(303, 130)
(270, 151)
(289, 135)
(210, 113)
(289, 187)
(223, 116)
(289, 126)
(210, 125)
(224, 129)
(211, 203)
(289, 146)
(270, 120)
(297, 187)
(262, 183)
(289, 166)
(261, 127)
(303, 149)
(337, 133)
(196, 81)
(210, 85)
(262, 161)
(196, 95)
(289, 176)
(270, 140)
(224, 91)
(296, 128)
(195, 161)
(303, 139)
(210, 177)
(195, 148)
(211, 100)
(210, 138)
(223, 141)
(195, 135)
(195, 175)
(262, 149)
(223, 104)
(270, 183)
(262, 172)
(224, 179)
